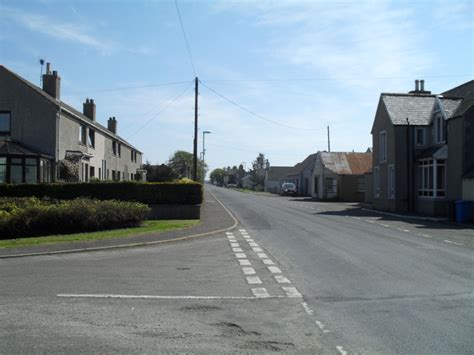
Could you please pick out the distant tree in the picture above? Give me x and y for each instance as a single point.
(217, 176)
(259, 166)
(158, 173)
(181, 163)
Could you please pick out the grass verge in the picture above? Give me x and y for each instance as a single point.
(146, 227)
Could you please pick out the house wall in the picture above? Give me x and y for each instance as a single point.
(348, 188)
(369, 188)
(454, 164)
(26, 107)
(321, 173)
(468, 189)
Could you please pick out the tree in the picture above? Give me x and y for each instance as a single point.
(158, 173)
(259, 166)
(217, 176)
(181, 163)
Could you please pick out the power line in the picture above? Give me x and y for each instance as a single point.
(185, 38)
(123, 88)
(256, 114)
(174, 99)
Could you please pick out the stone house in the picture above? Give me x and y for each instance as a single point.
(301, 175)
(422, 150)
(38, 130)
(275, 176)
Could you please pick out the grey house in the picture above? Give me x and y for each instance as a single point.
(301, 175)
(422, 149)
(275, 176)
(38, 130)
(340, 176)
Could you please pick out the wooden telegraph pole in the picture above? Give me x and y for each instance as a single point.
(195, 160)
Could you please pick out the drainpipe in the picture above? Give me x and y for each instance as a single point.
(409, 170)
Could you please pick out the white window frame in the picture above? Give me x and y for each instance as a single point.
(391, 182)
(383, 146)
(83, 134)
(417, 129)
(428, 178)
(439, 129)
(376, 182)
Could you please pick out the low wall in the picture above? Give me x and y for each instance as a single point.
(175, 212)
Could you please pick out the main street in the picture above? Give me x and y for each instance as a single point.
(293, 276)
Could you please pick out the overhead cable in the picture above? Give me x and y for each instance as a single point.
(185, 38)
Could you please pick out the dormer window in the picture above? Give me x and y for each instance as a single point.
(5, 123)
(437, 107)
(440, 130)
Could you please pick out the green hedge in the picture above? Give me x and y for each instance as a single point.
(166, 193)
(27, 217)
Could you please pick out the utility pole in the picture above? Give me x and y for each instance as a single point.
(329, 142)
(195, 160)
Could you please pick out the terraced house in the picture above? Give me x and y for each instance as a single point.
(423, 153)
(38, 132)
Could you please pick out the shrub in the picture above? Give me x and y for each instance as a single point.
(26, 217)
(181, 193)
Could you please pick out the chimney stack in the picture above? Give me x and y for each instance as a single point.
(112, 125)
(52, 82)
(422, 85)
(417, 87)
(89, 109)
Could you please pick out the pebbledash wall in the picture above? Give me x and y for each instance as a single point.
(43, 125)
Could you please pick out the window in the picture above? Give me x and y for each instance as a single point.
(383, 146)
(91, 171)
(82, 134)
(3, 170)
(331, 186)
(440, 129)
(119, 149)
(361, 183)
(376, 182)
(114, 148)
(432, 178)
(100, 174)
(31, 170)
(91, 137)
(420, 136)
(5, 123)
(45, 170)
(391, 181)
(133, 156)
(16, 171)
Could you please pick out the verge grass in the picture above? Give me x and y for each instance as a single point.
(146, 227)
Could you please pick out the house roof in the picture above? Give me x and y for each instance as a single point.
(9, 148)
(344, 163)
(466, 91)
(298, 168)
(60, 104)
(417, 108)
(278, 172)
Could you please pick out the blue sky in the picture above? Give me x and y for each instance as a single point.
(303, 65)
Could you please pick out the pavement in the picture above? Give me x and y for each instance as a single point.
(213, 218)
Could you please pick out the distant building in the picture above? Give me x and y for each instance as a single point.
(275, 176)
(423, 150)
(38, 130)
(301, 175)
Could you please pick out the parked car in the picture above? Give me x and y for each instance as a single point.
(288, 188)
(232, 186)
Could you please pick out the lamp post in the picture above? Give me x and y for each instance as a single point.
(204, 152)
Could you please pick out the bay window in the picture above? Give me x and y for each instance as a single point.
(432, 178)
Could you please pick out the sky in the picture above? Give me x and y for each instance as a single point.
(273, 74)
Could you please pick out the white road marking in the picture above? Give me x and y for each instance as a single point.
(242, 230)
(250, 240)
(369, 221)
(262, 255)
(248, 271)
(341, 350)
(234, 245)
(384, 225)
(268, 262)
(307, 309)
(253, 244)
(240, 256)
(231, 238)
(403, 230)
(229, 233)
(84, 295)
(237, 250)
(274, 269)
(282, 279)
(260, 292)
(257, 250)
(424, 235)
(450, 242)
(253, 280)
(246, 236)
(352, 217)
(292, 292)
(244, 262)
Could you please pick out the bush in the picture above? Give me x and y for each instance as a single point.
(169, 193)
(26, 217)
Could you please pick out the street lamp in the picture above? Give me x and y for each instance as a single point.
(204, 151)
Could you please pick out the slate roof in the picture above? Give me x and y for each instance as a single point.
(278, 172)
(8, 147)
(466, 91)
(344, 163)
(60, 104)
(298, 168)
(417, 108)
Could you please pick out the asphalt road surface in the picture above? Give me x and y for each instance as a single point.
(293, 277)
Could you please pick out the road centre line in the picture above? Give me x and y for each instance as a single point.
(403, 230)
(307, 309)
(384, 225)
(424, 235)
(321, 326)
(159, 297)
(341, 350)
(451, 242)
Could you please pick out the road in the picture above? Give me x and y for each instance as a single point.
(294, 276)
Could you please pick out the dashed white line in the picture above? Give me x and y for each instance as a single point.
(274, 269)
(451, 242)
(229, 233)
(292, 292)
(237, 250)
(246, 236)
(240, 256)
(253, 244)
(321, 326)
(352, 217)
(268, 262)
(369, 221)
(282, 279)
(341, 350)
(248, 271)
(260, 292)
(307, 309)
(403, 230)
(234, 245)
(384, 225)
(424, 235)
(242, 230)
(262, 255)
(257, 249)
(253, 280)
(244, 262)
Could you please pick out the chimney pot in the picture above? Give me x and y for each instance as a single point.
(422, 85)
(48, 68)
(88, 109)
(417, 87)
(52, 82)
(112, 125)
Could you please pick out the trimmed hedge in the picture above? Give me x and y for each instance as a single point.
(27, 217)
(165, 193)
